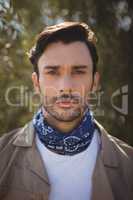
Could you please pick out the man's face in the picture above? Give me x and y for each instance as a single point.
(65, 79)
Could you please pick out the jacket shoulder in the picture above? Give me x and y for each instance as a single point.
(123, 146)
(7, 138)
(117, 146)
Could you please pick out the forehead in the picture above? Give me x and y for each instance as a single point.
(66, 54)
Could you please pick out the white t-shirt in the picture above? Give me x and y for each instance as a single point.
(70, 176)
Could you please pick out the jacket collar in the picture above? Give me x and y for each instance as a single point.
(25, 138)
(108, 153)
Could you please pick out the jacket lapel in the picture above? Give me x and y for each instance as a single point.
(33, 161)
(101, 188)
(106, 158)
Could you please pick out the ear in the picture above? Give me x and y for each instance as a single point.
(96, 81)
(35, 81)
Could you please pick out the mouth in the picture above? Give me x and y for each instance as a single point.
(65, 104)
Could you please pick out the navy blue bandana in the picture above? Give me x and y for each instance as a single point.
(65, 143)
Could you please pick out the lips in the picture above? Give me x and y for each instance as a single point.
(65, 103)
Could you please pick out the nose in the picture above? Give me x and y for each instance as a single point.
(66, 84)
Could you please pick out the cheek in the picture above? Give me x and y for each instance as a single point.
(48, 89)
(82, 92)
(84, 86)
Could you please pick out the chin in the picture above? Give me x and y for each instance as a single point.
(65, 115)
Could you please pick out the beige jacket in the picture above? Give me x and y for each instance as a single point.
(23, 176)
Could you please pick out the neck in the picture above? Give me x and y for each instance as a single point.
(62, 126)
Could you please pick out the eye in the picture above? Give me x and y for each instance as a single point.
(79, 72)
(52, 72)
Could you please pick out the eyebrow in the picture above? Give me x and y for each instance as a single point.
(80, 67)
(56, 67)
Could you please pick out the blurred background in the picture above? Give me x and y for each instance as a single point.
(20, 22)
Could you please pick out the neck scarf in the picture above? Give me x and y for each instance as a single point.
(70, 143)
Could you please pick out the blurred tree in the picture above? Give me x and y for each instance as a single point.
(12, 56)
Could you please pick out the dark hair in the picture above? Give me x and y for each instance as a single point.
(66, 32)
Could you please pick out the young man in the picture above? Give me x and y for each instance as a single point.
(63, 153)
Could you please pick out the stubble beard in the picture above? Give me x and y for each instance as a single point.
(63, 114)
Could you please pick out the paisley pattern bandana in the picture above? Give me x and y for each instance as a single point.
(70, 143)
